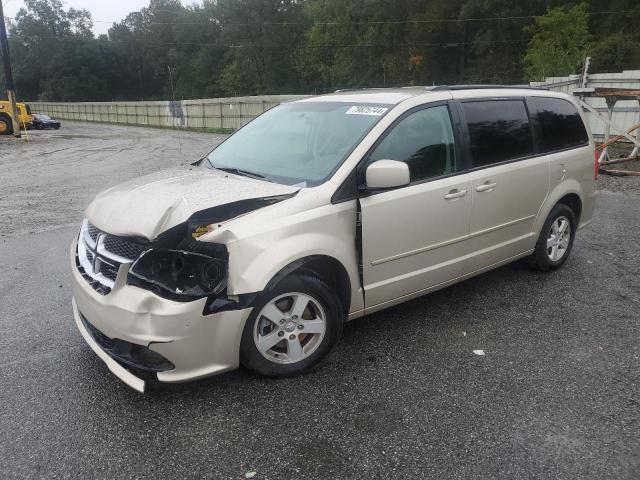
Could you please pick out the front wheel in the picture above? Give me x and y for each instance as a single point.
(293, 326)
(6, 128)
(556, 239)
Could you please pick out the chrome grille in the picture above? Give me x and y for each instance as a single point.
(123, 248)
(100, 255)
(93, 232)
(109, 271)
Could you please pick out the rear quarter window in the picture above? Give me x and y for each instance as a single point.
(499, 131)
(560, 124)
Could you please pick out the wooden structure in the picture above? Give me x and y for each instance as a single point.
(612, 96)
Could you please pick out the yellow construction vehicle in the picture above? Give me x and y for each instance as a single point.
(24, 117)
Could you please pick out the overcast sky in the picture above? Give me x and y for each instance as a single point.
(103, 12)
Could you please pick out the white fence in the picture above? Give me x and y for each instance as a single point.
(626, 113)
(220, 113)
(234, 112)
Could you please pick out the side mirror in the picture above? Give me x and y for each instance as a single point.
(384, 174)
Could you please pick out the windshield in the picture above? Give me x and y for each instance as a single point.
(42, 117)
(299, 143)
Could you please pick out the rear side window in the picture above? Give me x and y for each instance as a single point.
(499, 131)
(560, 123)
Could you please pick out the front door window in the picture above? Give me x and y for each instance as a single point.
(424, 140)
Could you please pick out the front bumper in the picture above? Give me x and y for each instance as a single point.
(197, 345)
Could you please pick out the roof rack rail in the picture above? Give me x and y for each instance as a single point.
(482, 87)
(360, 88)
(443, 88)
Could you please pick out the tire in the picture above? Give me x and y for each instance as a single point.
(289, 296)
(6, 127)
(545, 257)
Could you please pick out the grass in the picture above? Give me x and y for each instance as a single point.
(220, 131)
(217, 131)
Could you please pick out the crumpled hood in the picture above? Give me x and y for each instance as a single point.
(149, 205)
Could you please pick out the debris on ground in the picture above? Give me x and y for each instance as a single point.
(629, 183)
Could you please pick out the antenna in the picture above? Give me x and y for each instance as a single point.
(173, 96)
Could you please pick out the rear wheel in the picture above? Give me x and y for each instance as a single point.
(6, 128)
(556, 239)
(293, 326)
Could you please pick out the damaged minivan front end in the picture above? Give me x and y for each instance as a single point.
(151, 298)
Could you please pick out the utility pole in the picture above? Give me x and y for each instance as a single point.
(585, 72)
(8, 76)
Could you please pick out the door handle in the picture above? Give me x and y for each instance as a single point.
(455, 194)
(486, 187)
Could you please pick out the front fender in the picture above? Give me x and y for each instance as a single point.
(258, 254)
(265, 261)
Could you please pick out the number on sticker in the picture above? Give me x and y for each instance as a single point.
(365, 110)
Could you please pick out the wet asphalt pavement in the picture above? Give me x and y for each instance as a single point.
(557, 394)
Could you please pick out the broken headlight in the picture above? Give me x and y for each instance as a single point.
(178, 275)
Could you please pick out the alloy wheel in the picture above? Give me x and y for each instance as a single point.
(290, 328)
(558, 238)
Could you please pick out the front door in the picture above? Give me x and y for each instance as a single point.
(416, 237)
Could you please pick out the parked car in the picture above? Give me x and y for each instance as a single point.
(44, 122)
(321, 211)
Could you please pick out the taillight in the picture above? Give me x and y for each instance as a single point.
(596, 163)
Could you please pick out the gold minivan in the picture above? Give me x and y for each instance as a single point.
(321, 211)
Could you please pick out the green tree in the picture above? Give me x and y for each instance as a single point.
(145, 41)
(262, 36)
(492, 49)
(559, 44)
(241, 47)
(55, 56)
(357, 43)
(618, 37)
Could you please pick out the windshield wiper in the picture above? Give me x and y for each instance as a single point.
(243, 173)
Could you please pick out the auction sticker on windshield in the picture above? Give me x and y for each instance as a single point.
(365, 110)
